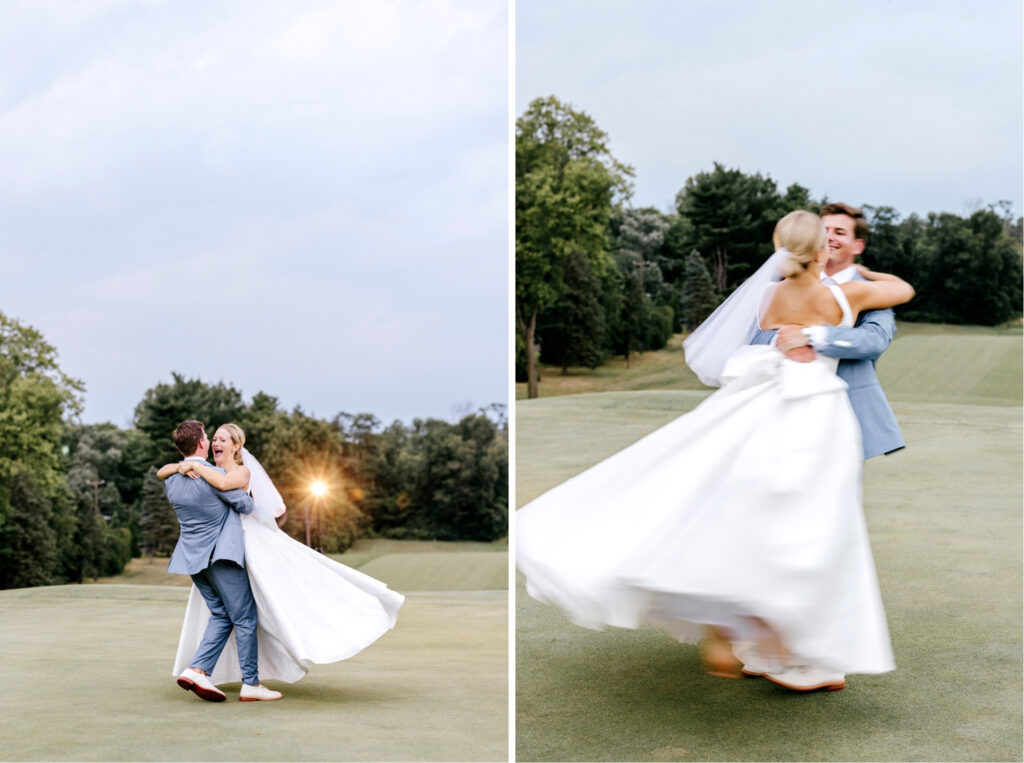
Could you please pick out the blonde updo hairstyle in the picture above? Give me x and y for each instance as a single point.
(237, 438)
(803, 234)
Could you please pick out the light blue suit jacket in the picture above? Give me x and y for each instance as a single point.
(211, 529)
(857, 349)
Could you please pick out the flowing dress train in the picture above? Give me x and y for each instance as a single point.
(311, 609)
(747, 507)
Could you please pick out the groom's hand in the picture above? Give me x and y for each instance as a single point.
(791, 337)
(794, 344)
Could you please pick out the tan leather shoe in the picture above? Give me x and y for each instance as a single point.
(257, 693)
(193, 680)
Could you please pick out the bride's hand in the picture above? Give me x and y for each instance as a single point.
(188, 469)
(803, 354)
(865, 272)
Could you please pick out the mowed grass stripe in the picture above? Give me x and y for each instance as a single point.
(973, 370)
(927, 362)
(429, 571)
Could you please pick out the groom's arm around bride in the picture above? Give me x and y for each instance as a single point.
(857, 348)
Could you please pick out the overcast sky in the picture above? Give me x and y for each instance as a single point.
(307, 198)
(915, 104)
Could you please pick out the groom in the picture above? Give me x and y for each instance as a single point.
(210, 550)
(857, 348)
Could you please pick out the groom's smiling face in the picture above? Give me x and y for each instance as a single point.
(843, 245)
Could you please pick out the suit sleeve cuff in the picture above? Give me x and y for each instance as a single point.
(817, 336)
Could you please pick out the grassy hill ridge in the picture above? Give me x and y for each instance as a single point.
(945, 525)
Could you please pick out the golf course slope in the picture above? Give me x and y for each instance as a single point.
(945, 522)
(89, 672)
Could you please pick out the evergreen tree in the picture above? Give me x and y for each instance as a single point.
(797, 197)
(699, 299)
(675, 247)
(165, 406)
(976, 269)
(733, 216)
(631, 326)
(158, 524)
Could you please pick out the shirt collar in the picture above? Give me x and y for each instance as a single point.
(843, 276)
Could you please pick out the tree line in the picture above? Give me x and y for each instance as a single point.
(77, 501)
(595, 277)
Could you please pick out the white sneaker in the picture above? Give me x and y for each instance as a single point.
(257, 693)
(806, 678)
(201, 684)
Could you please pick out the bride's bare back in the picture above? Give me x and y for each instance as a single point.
(795, 303)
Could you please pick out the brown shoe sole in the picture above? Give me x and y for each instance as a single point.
(210, 696)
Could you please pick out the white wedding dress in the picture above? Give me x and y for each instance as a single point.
(310, 608)
(747, 507)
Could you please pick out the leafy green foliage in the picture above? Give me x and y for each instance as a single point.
(28, 542)
(299, 451)
(567, 183)
(434, 479)
(164, 406)
(572, 331)
(965, 270)
(77, 500)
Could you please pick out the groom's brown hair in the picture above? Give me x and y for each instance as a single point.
(860, 223)
(187, 437)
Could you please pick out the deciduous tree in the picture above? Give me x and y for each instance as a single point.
(567, 183)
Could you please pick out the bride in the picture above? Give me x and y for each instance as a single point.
(741, 521)
(310, 608)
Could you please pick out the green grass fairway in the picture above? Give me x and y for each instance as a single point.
(481, 571)
(945, 523)
(996, 359)
(93, 671)
(976, 370)
(88, 672)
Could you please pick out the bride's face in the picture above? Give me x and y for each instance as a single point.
(223, 449)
